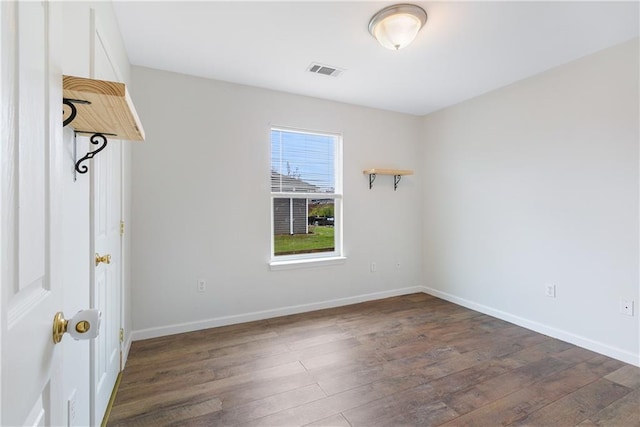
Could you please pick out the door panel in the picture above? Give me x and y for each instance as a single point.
(37, 415)
(107, 289)
(31, 157)
(107, 276)
(30, 140)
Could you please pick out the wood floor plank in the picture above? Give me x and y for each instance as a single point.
(149, 401)
(628, 376)
(338, 403)
(171, 414)
(257, 408)
(504, 411)
(488, 391)
(256, 390)
(332, 421)
(577, 406)
(623, 412)
(411, 360)
(418, 405)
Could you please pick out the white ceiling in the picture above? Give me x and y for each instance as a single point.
(465, 49)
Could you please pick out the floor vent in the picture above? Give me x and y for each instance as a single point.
(326, 70)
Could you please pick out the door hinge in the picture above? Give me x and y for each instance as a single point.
(121, 335)
(122, 228)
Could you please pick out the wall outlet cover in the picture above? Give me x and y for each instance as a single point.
(550, 290)
(626, 307)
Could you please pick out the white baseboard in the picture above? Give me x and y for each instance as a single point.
(589, 344)
(125, 350)
(266, 314)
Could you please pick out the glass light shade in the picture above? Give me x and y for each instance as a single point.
(396, 26)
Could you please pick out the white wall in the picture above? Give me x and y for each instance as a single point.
(531, 184)
(537, 183)
(201, 205)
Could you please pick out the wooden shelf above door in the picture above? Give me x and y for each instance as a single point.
(102, 107)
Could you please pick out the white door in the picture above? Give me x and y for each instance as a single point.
(106, 290)
(106, 209)
(31, 175)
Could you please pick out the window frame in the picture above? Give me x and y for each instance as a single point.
(328, 257)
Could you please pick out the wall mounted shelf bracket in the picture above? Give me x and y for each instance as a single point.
(372, 177)
(96, 139)
(396, 180)
(73, 110)
(397, 175)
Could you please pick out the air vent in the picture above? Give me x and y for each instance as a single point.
(326, 70)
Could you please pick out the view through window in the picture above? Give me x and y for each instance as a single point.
(305, 193)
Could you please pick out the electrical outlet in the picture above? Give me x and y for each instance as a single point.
(202, 285)
(373, 267)
(550, 290)
(626, 306)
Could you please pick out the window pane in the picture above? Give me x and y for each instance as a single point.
(303, 226)
(302, 162)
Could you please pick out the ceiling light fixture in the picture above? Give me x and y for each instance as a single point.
(396, 26)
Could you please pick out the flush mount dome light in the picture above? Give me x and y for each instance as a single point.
(396, 26)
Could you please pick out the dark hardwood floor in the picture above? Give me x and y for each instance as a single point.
(413, 360)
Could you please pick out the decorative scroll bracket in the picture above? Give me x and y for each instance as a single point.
(95, 139)
(70, 103)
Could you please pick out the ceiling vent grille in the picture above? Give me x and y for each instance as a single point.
(325, 70)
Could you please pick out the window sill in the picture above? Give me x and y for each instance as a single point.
(306, 263)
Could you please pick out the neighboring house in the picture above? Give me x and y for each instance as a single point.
(290, 214)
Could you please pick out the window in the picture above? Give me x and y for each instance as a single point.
(306, 195)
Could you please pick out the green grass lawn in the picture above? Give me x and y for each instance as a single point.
(320, 240)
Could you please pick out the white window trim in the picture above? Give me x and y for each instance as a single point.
(306, 263)
(317, 259)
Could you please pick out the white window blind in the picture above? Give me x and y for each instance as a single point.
(302, 162)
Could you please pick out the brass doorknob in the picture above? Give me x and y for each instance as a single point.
(83, 326)
(104, 258)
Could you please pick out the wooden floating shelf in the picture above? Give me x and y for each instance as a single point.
(397, 175)
(107, 108)
(399, 172)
